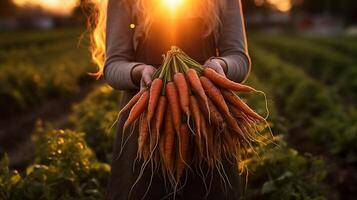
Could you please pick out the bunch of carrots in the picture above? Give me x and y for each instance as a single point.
(191, 113)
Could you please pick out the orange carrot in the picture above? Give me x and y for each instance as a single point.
(169, 141)
(236, 101)
(239, 114)
(203, 127)
(223, 82)
(212, 114)
(215, 94)
(232, 123)
(155, 92)
(235, 111)
(196, 86)
(196, 113)
(183, 150)
(132, 102)
(182, 89)
(160, 112)
(228, 143)
(146, 152)
(162, 154)
(173, 100)
(137, 109)
(211, 145)
(195, 110)
(143, 132)
(153, 136)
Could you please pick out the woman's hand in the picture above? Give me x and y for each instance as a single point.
(217, 65)
(142, 74)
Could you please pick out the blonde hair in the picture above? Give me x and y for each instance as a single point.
(143, 10)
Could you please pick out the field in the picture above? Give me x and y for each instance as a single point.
(56, 119)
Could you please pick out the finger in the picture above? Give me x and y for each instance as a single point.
(216, 67)
(220, 71)
(147, 79)
(142, 84)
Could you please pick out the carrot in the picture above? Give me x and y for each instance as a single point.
(160, 112)
(215, 94)
(143, 132)
(137, 109)
(154, 139)
(172, 97)
(195, 83)
(211, 145)
(212, 114)
(183, 150)
(196, 113)
(240, 115)
(162, 153)
(232, 123)
(235, 111)
(228, 143)
(169, 141)
(132, 102)
(223, 82)
(182, 88)
(155, 91)
(236, 101)
(199, 148)
(195, 110)
(146, 152)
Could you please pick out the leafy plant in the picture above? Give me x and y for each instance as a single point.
(64, 168)
(282, 173)
(96, 116)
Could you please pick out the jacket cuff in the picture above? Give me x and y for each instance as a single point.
(237, 68)
(119, 75)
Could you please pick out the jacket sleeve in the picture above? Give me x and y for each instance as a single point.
(232, 42)
(119, 47)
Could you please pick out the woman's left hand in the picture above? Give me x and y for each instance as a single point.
(217, 65)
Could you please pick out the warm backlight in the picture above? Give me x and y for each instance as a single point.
(172, 4)
(281, 5)
(56, 6)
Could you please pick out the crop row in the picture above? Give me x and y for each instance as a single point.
(343, 44)
(24, 39)
(311, 109)
(64, 167)
(37, 54)
(33, 78)
(333, 68)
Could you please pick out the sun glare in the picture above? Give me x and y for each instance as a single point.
(172, 4)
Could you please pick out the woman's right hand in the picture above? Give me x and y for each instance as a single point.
(142, 74)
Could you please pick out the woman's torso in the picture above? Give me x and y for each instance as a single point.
(187, 33)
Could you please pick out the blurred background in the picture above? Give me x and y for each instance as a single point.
(55, 136)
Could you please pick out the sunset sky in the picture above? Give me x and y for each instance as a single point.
(66, 6)
(55, 6)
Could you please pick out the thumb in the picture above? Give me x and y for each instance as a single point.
(145, 81)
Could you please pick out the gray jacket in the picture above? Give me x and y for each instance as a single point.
(120, 45)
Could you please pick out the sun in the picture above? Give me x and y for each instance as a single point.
(172, 4)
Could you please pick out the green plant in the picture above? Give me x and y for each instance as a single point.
(64, 168)
(96, 116)
(31, 74)
(282, 173)
(310, 109)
